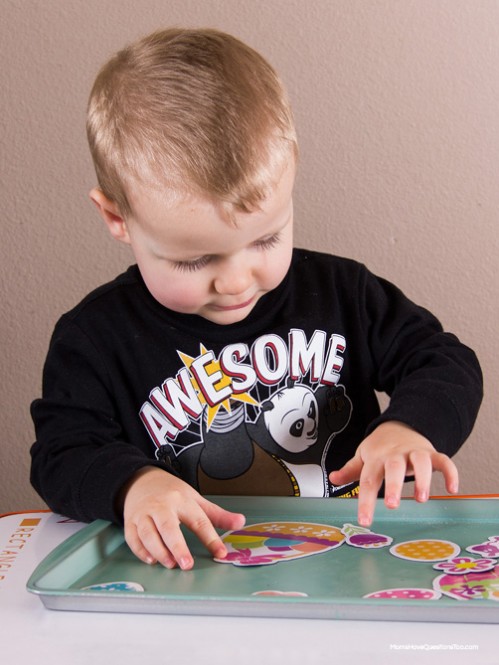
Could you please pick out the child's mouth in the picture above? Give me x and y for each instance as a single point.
(229, 308)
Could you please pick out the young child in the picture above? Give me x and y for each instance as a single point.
(225, 361)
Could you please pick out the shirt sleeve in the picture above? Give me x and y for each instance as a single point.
(433, 380)
(81, 458)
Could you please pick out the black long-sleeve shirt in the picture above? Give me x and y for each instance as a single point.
(269, 405)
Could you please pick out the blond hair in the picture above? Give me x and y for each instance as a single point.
(190, 110)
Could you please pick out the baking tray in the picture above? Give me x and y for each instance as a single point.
(330, 585)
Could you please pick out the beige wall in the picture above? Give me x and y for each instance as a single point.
(396, 103)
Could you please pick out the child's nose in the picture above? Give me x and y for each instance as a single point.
(234, 277)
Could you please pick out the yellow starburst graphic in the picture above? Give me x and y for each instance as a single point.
(222, 384)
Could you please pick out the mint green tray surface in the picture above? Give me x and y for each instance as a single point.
(334, 581)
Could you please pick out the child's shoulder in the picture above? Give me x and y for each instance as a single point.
(314, 261)
(107, 297)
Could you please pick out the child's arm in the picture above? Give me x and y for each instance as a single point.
(156, 503)
(390, 453)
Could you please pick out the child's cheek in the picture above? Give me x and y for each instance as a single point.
(179, 297)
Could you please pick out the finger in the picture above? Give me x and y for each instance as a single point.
(448, 469)
(370, 481)
(422, 470)
(135, 544)
(221, 518)
(146, 543)
(176, 548)
(348, 473)
(200, 524)
(165, 542)
(395, 470)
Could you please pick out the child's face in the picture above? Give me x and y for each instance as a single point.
(195, 261)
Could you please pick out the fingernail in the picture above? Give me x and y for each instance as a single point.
(391, 501)
(186, 563)
(169, 563)
(241, 521)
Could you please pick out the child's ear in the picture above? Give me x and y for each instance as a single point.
(111, 215)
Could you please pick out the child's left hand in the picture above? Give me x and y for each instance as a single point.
(390, 453)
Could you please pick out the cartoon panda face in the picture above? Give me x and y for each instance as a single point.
(291, 417)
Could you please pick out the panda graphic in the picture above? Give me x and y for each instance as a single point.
(282, 453)
(297, 427)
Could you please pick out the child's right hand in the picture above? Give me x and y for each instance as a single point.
(156, 503)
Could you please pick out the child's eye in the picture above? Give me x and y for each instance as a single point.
(192, 266)
(268, 243)
(202, 262)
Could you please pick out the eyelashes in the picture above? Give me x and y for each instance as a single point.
(192, 266)
(268, 243)
(203, 261)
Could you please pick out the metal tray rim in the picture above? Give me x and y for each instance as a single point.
(448, 610)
